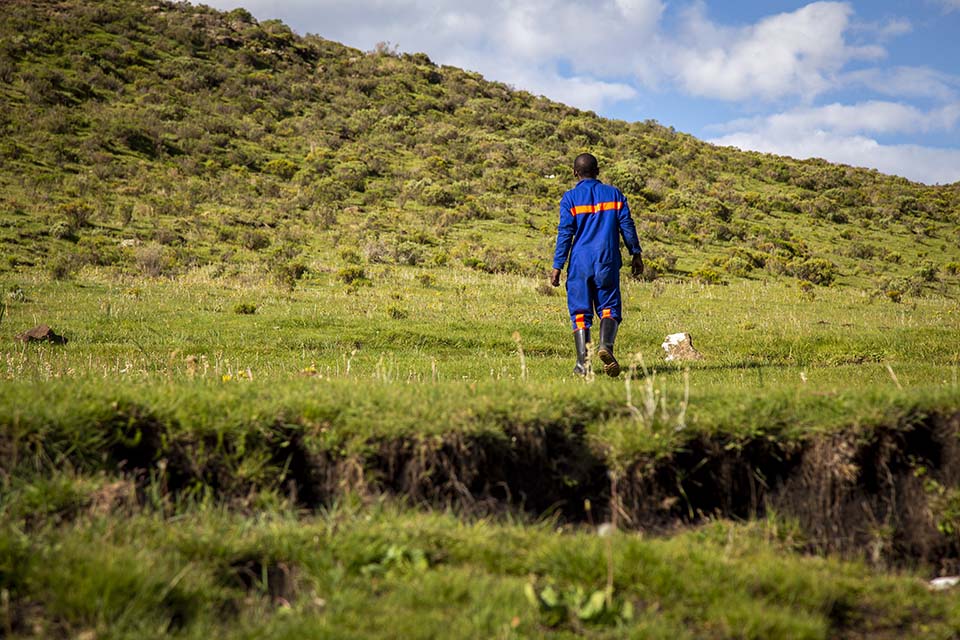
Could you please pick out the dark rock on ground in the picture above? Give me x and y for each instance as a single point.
(41, 333)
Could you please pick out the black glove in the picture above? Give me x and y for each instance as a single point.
(636, 265)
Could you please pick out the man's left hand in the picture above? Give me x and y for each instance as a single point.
(555, 278)
(636, 265)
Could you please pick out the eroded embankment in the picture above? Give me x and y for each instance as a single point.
(889, 492)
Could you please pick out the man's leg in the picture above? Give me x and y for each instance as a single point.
(609, 308)
(581, 316)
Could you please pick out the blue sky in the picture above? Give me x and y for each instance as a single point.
(869, 83)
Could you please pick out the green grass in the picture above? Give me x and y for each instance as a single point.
(327, 357)
(374, 571)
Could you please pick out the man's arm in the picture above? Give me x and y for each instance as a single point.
(565, 231)
(628, 230)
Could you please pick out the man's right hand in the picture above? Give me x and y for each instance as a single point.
(636, 265)
(555, 278)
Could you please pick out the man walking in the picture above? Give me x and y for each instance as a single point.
(593, 216)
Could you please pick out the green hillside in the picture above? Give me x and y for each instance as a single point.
(316, 385)
(204, 138)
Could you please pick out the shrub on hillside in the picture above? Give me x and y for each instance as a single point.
(64, 266)
(153, 260)
(736, 266)
(436, 195)
(815, 270)
(352, 275)
(99, 251)
(280, 167)
(656, 262)
(61, 230)
(928, 272)
(706, 275)
(289, 273)
(255, 240)
(77, 214)
(351, 175)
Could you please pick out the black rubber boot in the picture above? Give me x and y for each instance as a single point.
(581, 338)
(608, 333)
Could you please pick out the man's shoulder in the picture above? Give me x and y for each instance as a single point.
(613, 191)
(584, 192)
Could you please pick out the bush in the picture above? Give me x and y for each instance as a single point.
(280, 167)
(350, 256)
(351, 275)
(706, 275)
(77, 214)
(153, 260)
(61, 230)
(893, 257)
(737, 266)
(352, 175)
(288, 274)
(64, 266)
(815, 270)
(408, 253)
(255, 240)
(435, 195)
(928, 272)
(245, 308)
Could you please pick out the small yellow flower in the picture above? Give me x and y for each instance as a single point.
(226, 377)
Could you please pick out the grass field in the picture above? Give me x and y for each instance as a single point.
(184, 466)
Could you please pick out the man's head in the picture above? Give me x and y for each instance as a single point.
(585, 166)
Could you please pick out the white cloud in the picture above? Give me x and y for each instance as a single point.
(917, 82)
(873, 116)
(949, 5)
(838, 133)
(891, 28)
(795, 53)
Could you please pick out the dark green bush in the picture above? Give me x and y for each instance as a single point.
(255, 240)
(351, 275)
(815, 270)
(706, 275)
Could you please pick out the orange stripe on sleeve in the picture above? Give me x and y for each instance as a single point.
(596, 208)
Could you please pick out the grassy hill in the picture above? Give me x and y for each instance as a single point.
(316, 385)
(206, 138)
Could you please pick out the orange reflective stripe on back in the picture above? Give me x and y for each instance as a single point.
(613, 205)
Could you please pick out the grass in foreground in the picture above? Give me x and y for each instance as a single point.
(117, 571)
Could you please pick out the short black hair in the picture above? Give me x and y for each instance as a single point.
(586, 166)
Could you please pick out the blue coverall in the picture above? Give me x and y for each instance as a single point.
(593, 216)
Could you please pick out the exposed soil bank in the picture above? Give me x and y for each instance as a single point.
(881, 492)
(889, 493)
